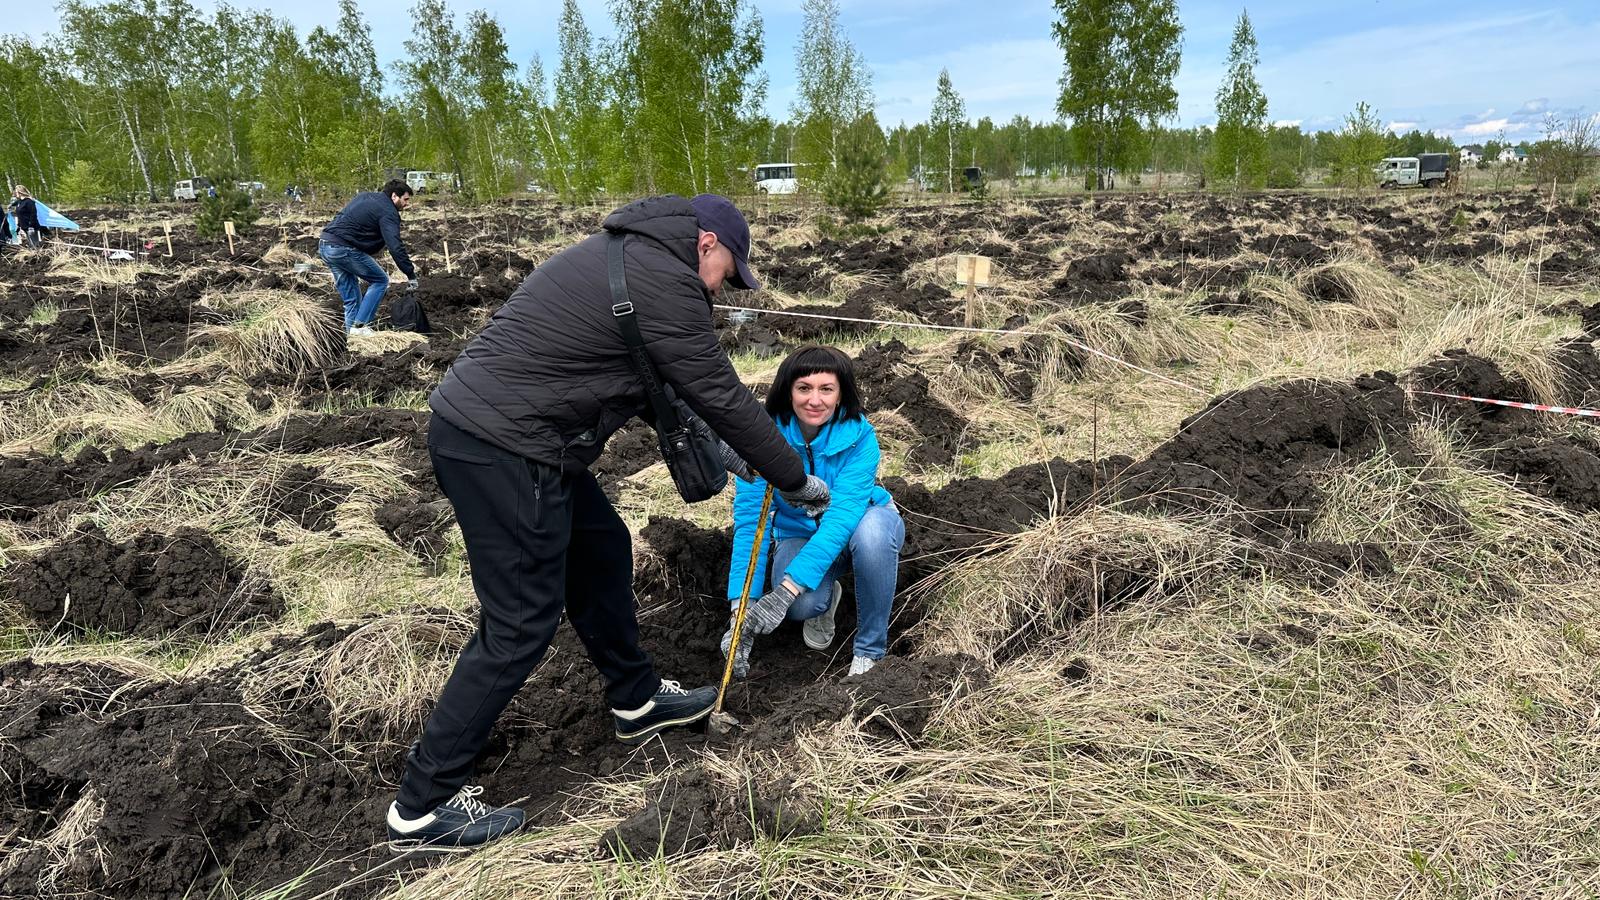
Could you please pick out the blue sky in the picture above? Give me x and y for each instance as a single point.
(1469, 68)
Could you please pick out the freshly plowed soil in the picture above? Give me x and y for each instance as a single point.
(240, 779)
(153, 585)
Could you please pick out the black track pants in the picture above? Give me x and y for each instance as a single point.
(538, 542)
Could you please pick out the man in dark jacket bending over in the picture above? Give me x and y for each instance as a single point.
(367, 224)
(517, 420)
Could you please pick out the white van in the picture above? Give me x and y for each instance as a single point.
(777, 178)
(190, 189)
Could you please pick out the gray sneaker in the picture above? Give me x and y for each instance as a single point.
(818, 630)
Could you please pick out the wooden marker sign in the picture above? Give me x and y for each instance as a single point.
(228, 227)
(972, 270)
(167, 228)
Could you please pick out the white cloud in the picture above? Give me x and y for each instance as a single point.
(1491, 126)
(1536, 105)
(1287, 123)
(1400, 127)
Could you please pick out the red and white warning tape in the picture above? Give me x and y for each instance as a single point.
(1055, 335)
(1514, 404)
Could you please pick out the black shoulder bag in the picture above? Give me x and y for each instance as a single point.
(691, 453)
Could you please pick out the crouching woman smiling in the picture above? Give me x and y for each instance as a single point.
(815, 404)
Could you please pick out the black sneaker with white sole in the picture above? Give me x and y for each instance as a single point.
(670, 707)
(459, 825)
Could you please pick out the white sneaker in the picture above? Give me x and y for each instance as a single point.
(818, 630)
(861, 665)
(362, 331)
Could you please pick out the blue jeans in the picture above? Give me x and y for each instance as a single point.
(874, 553)
(350, 267)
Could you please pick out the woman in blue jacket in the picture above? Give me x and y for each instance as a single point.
(816, 406)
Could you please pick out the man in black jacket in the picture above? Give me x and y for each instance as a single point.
(367, 224)
(523, 412)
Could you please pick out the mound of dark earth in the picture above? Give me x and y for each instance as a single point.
(300, 494)
(190, 784)
(884, 388)
(30, 483)
(1014, 367)
(152, 585)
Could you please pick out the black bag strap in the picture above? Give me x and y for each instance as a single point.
(628, 322)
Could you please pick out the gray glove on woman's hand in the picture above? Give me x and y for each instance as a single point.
(811, 497)
(766, 614)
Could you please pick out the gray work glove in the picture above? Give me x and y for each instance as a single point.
(811, 497)
(731, 461)
(741, 659)
(411, 286)
(762, 616)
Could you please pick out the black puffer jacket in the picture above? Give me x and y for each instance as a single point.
(548, 377)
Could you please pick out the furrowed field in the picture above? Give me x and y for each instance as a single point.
(1281, 625)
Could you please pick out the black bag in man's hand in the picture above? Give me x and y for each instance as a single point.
(687, 444)
(406, 314)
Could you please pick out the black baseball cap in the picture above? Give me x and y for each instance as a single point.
(718, 215)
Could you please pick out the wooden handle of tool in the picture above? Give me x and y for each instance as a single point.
(744, 597)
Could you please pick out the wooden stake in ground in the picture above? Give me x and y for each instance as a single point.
(447, 257)
(228, 227)
(167, 228)
(972, 270)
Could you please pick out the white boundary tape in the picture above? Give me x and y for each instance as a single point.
(1514, 404)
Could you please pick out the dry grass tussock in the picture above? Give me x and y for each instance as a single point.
(93, 269)
(281, 254)
(1496, 312)
(273, 330)
(380, 681)
(1349, 291)
(381, 342)
(66, 416)
(1161, 329)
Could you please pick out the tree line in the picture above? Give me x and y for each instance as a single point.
(132, 95)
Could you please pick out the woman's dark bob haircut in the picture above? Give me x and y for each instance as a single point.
(815, 360)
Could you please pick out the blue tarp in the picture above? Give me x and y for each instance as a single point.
(49, 218)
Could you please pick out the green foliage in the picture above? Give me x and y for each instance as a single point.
(833, 92)
(81, 184)
(579, 144)
(1240, 149)
(948, 124)
(231, 204)
(687, 87)
(1283, 175)
(1566, 154)
(856, 186)
(1360, 146)
(1121, 58)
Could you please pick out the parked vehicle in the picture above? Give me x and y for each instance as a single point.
(251, 187)
(1428, 170)
(973, 176)
(190, 189)
(777, 178)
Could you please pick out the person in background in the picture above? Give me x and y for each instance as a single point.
(27, 213)
(367, 224)
(817, 408)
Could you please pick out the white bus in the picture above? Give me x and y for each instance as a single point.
(777, 178)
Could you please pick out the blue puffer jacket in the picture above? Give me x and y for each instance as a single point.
(845, 455)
